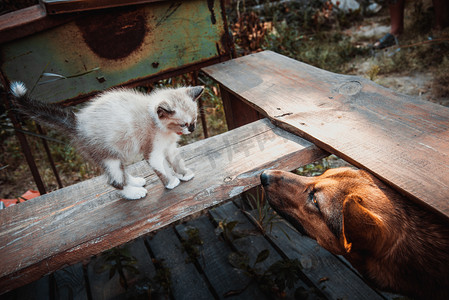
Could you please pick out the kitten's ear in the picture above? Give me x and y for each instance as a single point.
(164, 110)
(195, 91)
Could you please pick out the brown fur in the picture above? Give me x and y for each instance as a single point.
(393, 242)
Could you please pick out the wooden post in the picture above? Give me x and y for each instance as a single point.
(237, 112)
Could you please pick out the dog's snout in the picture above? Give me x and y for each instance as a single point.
(264, 178)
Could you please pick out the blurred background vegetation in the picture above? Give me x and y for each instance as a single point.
(316, 32)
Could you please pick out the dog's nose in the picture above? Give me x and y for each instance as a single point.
(264, 179)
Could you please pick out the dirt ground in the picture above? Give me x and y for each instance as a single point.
(415, 83)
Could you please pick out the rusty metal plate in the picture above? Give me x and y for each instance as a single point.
(117, 46)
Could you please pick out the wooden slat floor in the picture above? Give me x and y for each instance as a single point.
(192, 260)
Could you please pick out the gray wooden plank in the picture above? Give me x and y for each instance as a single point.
(252, 243)
(141, 284)
(37, 290)
(70, 283)
(104, 287)
(215, 264)
(325, 271)
(88, 218)
(185, 281)
(372, 127)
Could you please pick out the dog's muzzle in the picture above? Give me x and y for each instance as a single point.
(265, 179)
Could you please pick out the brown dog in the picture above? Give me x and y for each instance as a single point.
(391, 241)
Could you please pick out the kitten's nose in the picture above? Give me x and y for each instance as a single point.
(192, 127)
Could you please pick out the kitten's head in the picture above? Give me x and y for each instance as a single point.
(177, 112)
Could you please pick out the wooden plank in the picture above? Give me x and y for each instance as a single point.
(38, 290)
(122, 46)
(252, 242)
(237, 112)
(27, 21)
(400, 139)
(70, 283)
(186, 282)
(215, 264)
(76, 222)
(326, 272)
(137, 284)
(68, 6)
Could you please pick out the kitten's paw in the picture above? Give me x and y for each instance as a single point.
(133, 192)
(136, 181)
(174, 182)
(187, 176)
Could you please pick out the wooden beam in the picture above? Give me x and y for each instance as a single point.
(400, 139)
(63, 227)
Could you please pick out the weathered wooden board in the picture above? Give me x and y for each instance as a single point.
(252, 241)
(214, 262)
(185, 280)
(326, 271)
(69, 283)
(119, 46)
(67, 225)
(103, 286)
(38, 290)
(400, 139)
(66, 6)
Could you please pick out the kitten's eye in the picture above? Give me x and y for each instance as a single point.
(184, 125)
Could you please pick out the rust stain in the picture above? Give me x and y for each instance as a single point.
(210, 4)
(115, 34)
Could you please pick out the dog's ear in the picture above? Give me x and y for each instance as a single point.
(361, 228)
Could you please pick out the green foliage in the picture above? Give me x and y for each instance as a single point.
(226, 229)
(263, 217)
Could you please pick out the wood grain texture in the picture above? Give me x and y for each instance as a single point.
(76, 222)
(214, 262)
(185, 280)
(102, 286)
(252, 241)
(69, 283)
(326, 271)
(24, 22)
(69, 6)
(400, 139)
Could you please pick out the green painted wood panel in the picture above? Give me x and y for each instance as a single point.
(122, 45)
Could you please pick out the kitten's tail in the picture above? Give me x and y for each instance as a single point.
(50, 114)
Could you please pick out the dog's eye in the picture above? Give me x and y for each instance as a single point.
(312, 198)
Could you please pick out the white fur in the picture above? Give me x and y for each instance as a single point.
(115, 172)
(133, 192)
(135, 181)
(158, 158)
(116, 122)
(188, 176)
(18, 88)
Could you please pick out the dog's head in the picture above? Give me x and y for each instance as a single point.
(343, 209)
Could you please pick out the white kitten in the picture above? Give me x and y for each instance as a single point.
(120, 124)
